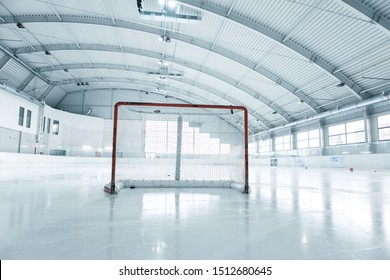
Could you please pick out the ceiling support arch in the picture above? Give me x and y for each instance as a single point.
(4, 61)
(209, 46)
(47, 92)
(26, 82)
(10, 54)
(212, 91)
(226, 14)
(183, 95)
(182, 63)
(376, 17)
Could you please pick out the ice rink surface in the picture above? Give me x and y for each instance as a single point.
(60, 212)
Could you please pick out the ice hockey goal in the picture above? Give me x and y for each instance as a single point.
(179, 145)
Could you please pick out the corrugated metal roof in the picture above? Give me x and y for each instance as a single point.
(304, 49)
(13, 74)
(55, 96)
(379, 5)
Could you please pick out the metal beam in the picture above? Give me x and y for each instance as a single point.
(185, 98)
(257, 95)
(201, 5)
(26, 82)
(261, 119)
(4, 61)
(47, 92)
(23, 64)
(376, 17)
(181, 37)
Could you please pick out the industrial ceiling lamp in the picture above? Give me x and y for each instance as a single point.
(164, 38)
(140, 6)
(341, 84)
(163, 62)
(18, 24)
(172, 4)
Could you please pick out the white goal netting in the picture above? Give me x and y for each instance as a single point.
(161, 146)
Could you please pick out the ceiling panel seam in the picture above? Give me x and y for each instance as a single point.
(363, 9)
(248, 91)
(188, 95)
(354, 89)
(144, 70)
(156, 30)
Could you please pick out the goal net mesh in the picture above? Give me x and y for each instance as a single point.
(158, 146)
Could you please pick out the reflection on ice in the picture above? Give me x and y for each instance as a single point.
(61, 212)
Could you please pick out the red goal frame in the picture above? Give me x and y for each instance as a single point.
(177, 105)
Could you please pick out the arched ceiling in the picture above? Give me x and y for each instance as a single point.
(285, 60)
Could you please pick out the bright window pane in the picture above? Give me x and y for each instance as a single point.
(252, 148)
(21, 116)
(278, 147)
(355, 126)
(171, 143)
(28, 119)
(48, 125)
(302, 144)
(187, 146)
(302, 136)
(314, 143)
(384, 121)
(161, 137)
(314, 133)
(337, 140)
(357, 137)
(384, 133)
(278, 140)
(156, 137)
(264, 146)
(56, 127)
(225, 149)
(283, 143)
(337, 129)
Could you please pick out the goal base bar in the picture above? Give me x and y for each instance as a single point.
(109, 189)
(173, 184)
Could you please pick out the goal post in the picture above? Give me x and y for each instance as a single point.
(179, 145)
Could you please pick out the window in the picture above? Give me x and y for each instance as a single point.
(355, 132)
(161, 138)
(21, 116)
(337, 135)
(56, 127)
(48, 125)
(337, 129)
(28, 119)
(283, 143)
(384, 127)
(252, 148)
(44, 124)
(347, 133)
(308, 139)
(265, 146)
